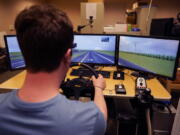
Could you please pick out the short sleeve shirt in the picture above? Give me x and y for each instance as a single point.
(57, 116)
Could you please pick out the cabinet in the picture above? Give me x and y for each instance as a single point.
(174, 84)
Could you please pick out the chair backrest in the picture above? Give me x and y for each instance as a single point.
(176, 125)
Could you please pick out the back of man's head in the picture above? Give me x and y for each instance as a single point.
(44, 34)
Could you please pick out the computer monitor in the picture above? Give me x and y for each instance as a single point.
(94, 49)
(15, 56)
(153, 55)
(161, 27)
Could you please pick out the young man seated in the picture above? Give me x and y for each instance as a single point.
(45, 36)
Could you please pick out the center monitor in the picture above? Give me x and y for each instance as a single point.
(149, 54)
(95, 49)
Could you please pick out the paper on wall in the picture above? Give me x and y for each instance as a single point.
(91, 10)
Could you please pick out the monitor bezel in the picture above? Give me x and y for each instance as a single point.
(155, 37)
(8, 54)
(101, 64)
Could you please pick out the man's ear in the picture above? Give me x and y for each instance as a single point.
(67, 56)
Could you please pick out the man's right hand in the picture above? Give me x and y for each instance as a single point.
(99, 85)
(99, 82)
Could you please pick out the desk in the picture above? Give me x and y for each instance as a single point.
(157, 90)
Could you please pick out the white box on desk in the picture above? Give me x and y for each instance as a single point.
(120, 28)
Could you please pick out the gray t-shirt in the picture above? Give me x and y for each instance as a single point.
(57, 116)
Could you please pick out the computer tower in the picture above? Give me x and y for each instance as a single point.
(162, 120)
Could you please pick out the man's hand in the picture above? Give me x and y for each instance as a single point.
(99, 83)
(99, 86)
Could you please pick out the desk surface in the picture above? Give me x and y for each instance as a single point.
(157, 90)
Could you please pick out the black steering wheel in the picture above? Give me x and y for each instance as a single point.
(79, 87)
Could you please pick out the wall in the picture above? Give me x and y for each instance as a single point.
(9, 9)
(114, 10)
(72, 8)
(167, 8)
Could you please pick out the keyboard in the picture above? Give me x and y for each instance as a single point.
(88, 73)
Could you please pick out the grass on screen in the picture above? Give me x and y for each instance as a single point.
(16, 55)
(156, 65)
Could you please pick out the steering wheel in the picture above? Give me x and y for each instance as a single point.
(79, 87)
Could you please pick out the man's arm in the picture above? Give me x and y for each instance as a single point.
(99, 86)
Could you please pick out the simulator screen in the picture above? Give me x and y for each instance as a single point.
(94, 49)
(14, 52)
(157, 56)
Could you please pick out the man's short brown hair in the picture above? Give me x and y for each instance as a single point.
(44, 34)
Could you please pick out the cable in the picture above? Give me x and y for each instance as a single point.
(147, 19)
(130, 76)
(148, 122)
(158, 102)
(117, 127)
(137, 126)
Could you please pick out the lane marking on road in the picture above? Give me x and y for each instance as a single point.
(20, 66)
(84, 57)
(105, 58)
(17, 63)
